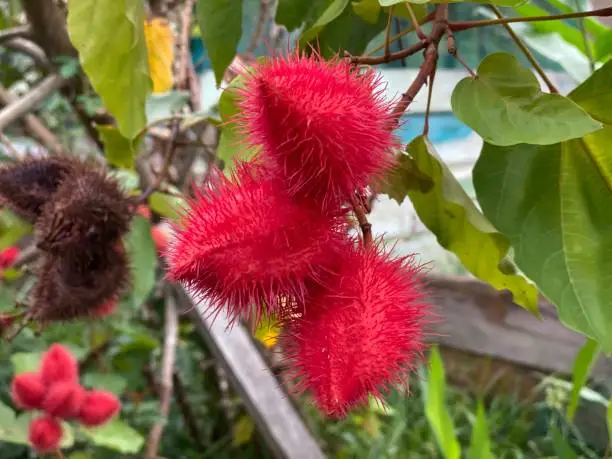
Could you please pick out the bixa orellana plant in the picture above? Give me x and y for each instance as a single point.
(274, 237)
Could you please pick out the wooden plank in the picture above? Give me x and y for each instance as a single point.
(274, 414)
(476, 318)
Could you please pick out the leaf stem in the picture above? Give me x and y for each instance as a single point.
(388, 32)
(585, 38)
(528, 54)
(457, 26)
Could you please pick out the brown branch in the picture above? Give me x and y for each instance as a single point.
(365, 60)
(31, 49)
(49, 27)
(415, 22)
(167, 370)
(528, 54)
(14, 32)
(27, 103)
(429, 63)
(457, 26)
(364, 224)
(183, 403)
(9, 146)
(388, 32)
(401, 34)
(182, 74)
(34, 125)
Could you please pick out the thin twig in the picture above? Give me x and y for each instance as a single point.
(13, 32)
(453, 51)
(585, 38)
(182, 70)
(183, 403)
(167, 370)
(362, 219)
(415, 22)
(27, 103)
(26, 318)
(264, 12)
(388, 32)
(401, 34)
(429, 63)
(365, 60)
(432, 76)
(30, 49)
(13, 153)
(457, 26)
(34, 125)
(528, 54)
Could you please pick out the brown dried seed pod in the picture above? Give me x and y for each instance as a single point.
(27, 185)
(88, 210)
(73, 287)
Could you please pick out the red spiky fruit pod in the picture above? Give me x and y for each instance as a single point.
(58, 365)
(244, 242)
(324, 125)
(45, 434)
(64, 400)
(98, 407)
(8, 256)
(360, 334)
(28, 391)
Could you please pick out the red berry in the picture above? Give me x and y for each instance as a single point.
(58, 364)
(28, 391)
(64, 400)
(324, 125)
(8, 256)
(106, 309)
(98, 407)
(161, 236)
(144, 211)
(245, 242)
(45, 434)
(362, 333)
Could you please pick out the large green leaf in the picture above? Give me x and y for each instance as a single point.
(221, 28)
(232, 144)
(480, 443)
(143, 259)
(109, 35)
(603, 46)
(293, 13)
(117, 436)
(335, 9)
(445, 208)
(553, 202)
(348, 32)
(435, 408)
(586, 358)
(506, 106)
(118, 150)
(368, 10)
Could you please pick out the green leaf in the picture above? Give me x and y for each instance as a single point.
(163, 105)
(495, 2)
(167, 205)
(128, 179)
(118, 150)
(109, 35)
(105, 381)
(80, 455)
(586, 358)
(445, 208)
(143, 258)
(567, 32)
(368, 10)
(116, 435)
(435, 409)
(232, 144)
(551, 202)
(563, 449)
(220, 23)
(348, 32)
(25, 361)
(595, 94)
(15, 429)
(505, 105)
(335, 9)
(12, 228)
(242, 431)
(603, 46)
(293, 13)
(480, 443)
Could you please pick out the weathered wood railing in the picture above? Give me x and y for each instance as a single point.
(472, 317)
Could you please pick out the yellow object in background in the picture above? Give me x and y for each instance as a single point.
(160, 51)
(267, 332)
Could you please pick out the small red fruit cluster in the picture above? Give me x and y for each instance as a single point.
(275, 236)
(55, 390)
(8, 256)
